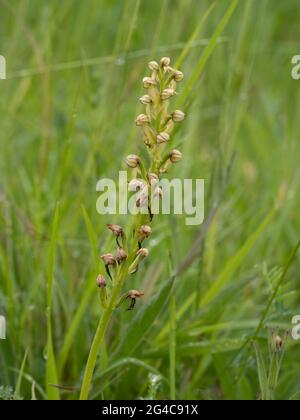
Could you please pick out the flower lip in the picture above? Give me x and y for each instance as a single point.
(144, 232)
(133, 294)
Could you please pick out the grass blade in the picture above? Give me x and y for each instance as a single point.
(51, 370)
(144, 319)
(262, 372)
(207, 53)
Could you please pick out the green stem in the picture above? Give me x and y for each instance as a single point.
(99, 337)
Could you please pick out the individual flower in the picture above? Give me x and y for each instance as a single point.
(163, 137)
(178, 116)
(133, 161)
(175, 156)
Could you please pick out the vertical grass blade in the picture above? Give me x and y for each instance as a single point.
(262, 372)
(51, 370)
(207, 53)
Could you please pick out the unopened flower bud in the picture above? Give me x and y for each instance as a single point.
(165, 62)
(167, 94)
(116, 229)
(153, 66)
(121, 255)
(146, 100)
(108, 259)
(144, 233)
(178, 76)
(175, 156)
(133, 161)
(101, 282)
(142, 119)
(163, 137)
(148, 82)
(178, 116)
(143, 253)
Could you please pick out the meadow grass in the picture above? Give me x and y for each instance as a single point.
(67, 119)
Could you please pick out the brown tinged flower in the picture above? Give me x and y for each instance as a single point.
(167, 94)
(165, 62)
(101, 282)
(163, 138)
(133, 295)
(153, 66)
(143, 253)
(121, 255)
(148, 82)
(142, 119)
(108, 259)
(146, 100)
(133, 161)
(144, 233)
(175, 156)
(178, 116)
(178, 76)
(116, 229)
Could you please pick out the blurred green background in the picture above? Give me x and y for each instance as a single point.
(67, 112)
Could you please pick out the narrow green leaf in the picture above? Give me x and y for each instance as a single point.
(51, 370)
(144, 319)
(207, 53)
(235, 262)
(262, 372)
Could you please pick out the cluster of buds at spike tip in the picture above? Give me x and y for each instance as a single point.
(157, 123)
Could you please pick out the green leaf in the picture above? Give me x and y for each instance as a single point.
(262, 373)
(207, 53)
(235, 262)
(144, 319)
(51, 370)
